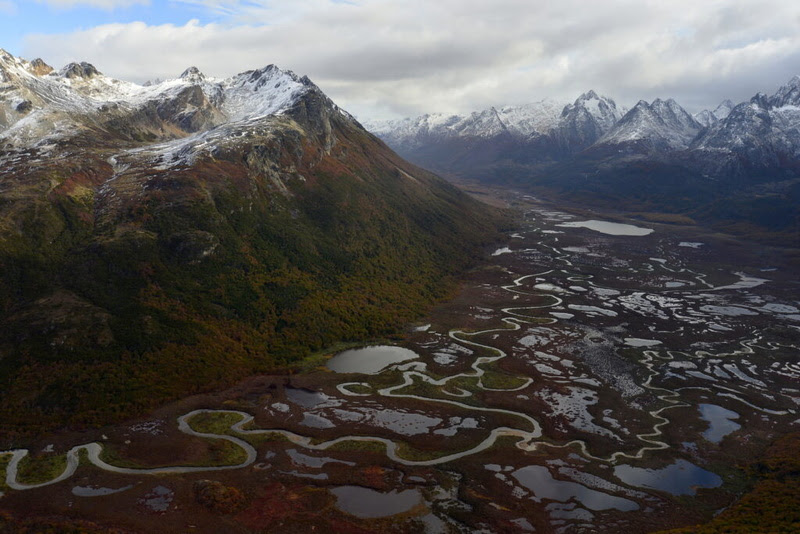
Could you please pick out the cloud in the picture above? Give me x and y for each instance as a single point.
(103, 4)
(8, 7)
(384, 58)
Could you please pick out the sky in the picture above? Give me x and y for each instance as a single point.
(393, 58)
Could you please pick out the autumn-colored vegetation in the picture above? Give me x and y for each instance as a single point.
(218, 498)
(214, 272)
(10, 525)
(772, 507)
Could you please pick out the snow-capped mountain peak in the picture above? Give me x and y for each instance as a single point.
(662, 124)
(77, 92)
(193, 74)
(707, 118)
(537, 118)
(724, 109)
(79, 70)
(602, 109)
(787, 95)
(262, 92)
(760, 135)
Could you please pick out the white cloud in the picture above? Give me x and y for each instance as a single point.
(8, 7)
(385, 57)
(103, 4)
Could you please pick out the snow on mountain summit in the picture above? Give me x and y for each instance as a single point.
(787, 95)
(262, 92)
(707, 118)
(764, 131)
(586, 120)
(662, 124)
(34, 98)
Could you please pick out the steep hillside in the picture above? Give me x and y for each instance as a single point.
(157, 241)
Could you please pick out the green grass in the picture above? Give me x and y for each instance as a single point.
(112, 456)
(220, 424)
(407, 452)
(215, 423)
(496, 380)
(41, 468)
(424, 389)
(223, 452)
(4, 461)
(360, 389)
(358, 446)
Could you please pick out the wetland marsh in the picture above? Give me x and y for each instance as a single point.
(579, 382)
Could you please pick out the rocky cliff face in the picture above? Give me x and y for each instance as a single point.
(585, 121)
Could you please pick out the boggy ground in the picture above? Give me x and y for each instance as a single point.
(579, 382)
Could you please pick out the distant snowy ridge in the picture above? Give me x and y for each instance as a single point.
(542, 118)
(761, 135)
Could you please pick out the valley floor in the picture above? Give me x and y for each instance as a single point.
(581, 381)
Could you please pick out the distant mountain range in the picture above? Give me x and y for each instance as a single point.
(550, 127)
(163, 239)
(655, 156)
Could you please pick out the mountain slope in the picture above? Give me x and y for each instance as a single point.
(171, 238)
(659, 126)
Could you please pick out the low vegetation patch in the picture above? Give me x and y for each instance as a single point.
(218, 498)
(4, 460)
(41, 468)
(215, 423)
(358, 446)
(497, 380)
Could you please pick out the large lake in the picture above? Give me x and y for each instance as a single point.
(609, 228)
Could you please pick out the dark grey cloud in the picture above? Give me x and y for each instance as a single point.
(384, 57)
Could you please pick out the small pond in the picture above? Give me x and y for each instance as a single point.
(93, 491)
(720, 422)
(680, 478)
(369, 360)
(368, 503)
(538, 479)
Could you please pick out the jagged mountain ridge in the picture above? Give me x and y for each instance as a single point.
(81, 96)
(708, 118)
(535, 133)
(662, 125)
(165, 239)
(764, 131)
(655, 156)
(589, 114)
(658, 128)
